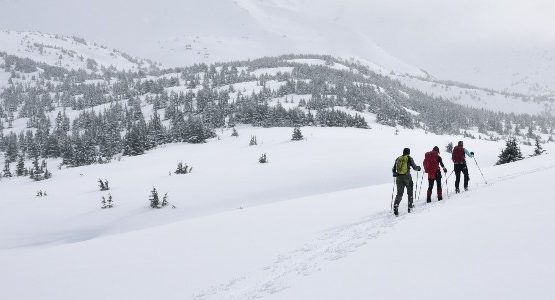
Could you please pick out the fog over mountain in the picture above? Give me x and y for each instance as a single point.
(497, 44)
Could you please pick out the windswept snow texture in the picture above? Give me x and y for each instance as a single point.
(313, 223)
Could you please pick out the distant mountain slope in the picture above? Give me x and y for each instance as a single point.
(185, 32)
(68, 52)
(210, 31)
(287, 27)
(526, 69)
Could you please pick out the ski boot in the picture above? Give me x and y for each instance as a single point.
(396, 211)
(457, 191)
(410, 208)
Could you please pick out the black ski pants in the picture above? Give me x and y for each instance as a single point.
(458, 169)
(402, 182)
(431, 187)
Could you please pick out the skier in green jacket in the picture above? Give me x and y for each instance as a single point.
(401, 170)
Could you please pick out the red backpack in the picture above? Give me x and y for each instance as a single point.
(458, 155)
(431, 162)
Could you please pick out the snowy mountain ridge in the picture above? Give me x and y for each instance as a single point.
(76, 53)
(227, 30)
(68, 52)
(284, 27)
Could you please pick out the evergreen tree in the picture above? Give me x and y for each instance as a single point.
(133, 145)
(165, 200)
(156, 131)
(12, 148)
(297, 134)
(84, 151)
(253, 141)
(47, 174)
(154, 200)
(263, 159)
(179, 169)
(183, 169)
(103, 185)
(234, 133)
(7, 172)
(109, 202)
(52, 147)
(20, 170)
(36, 167)
(538, 150)
(511, 153)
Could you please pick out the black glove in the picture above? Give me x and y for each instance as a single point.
(444, 170)
(472, 153)
(418, 168)
(394, 174)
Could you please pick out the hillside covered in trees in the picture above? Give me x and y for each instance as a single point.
(87, 117)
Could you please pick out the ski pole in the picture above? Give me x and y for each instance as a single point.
(447, 184)
(480, 170)
(420, 191)
(392, 193)
(416, 187)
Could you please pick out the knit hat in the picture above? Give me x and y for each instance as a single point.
(436, 149)
(406, 151)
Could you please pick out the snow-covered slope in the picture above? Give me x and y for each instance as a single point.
(285, 27)
(476, 97)
(187, 31)
(521, 68)
(490, 243)
(214, 30)
(67, 52)
(317, 213)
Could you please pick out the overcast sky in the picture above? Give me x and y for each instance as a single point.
(414, 28)
(436, 35)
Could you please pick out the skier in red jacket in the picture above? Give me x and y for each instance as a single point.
(459, 161)
(432, 161)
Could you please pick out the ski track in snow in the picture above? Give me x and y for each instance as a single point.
(330, 245)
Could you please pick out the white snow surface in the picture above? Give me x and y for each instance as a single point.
(64, 51)
(479, 98)
(211, 30)
(313, 223)
(387, 36)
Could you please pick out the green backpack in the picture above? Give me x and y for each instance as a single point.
(402, 165)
